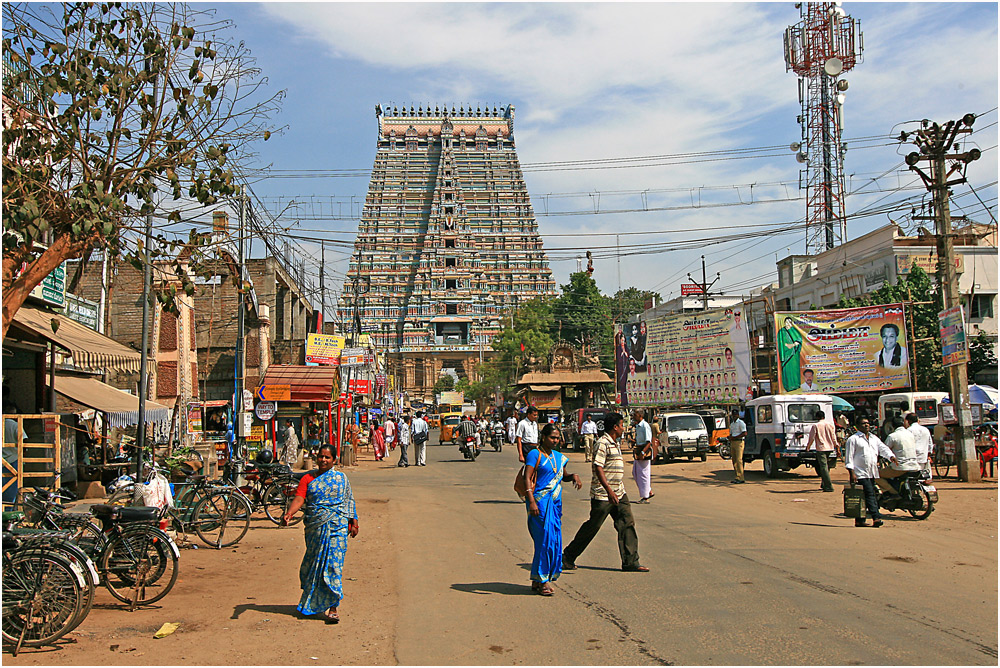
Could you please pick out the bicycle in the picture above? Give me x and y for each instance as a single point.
(269, 487)
(138, 564)
(42, 512)
(210, 509)
(45, 594)
(943, 459)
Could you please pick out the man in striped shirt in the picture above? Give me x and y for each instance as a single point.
(607, 497)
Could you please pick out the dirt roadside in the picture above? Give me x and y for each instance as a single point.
(237, 607)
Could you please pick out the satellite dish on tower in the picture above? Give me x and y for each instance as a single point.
(833, 67)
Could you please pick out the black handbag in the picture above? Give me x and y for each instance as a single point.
(854, 502)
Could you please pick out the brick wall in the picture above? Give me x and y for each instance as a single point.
(166, 379)
(168, 331)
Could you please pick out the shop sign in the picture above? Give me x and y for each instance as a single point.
(52, 289)
(265, 410)
(359, 385)
(82, 310)
(257, 433)
(688, 289)
(194, 419)
(352, 357)
(928, 262)
(324, 349)
(274, 393)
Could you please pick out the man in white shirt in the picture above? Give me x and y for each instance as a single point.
(922, 442)
(420, 431)
(904, 447)
(588, 431)
(511, 424)
(737, 432)
(642, 455)
(861, 461)
(526, 435)
(390, 433)
(808, 375)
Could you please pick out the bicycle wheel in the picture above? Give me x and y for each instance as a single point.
(942, 464)
(277, 498)
(220, 519)
(43, 596)
(86, 534)
(139, 566)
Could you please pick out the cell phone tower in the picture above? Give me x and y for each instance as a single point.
(820, 48)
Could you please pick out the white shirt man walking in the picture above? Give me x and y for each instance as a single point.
(861, 461)
(588, 431)
(526, 435)
(642, 455)
(511, 424)
(420, 431)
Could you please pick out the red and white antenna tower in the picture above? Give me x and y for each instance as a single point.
(821, 47)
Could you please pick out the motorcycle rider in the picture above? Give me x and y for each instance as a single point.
(466, 430)
(904, 447)
(922, 440)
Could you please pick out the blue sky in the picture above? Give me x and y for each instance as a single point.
(610, 80)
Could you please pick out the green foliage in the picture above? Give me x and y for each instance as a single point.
(982, 355)
(628, 301)
(916, 287)
(445, 383)
(117, 108)
(582, 316)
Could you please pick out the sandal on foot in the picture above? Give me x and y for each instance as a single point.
(331, 617)
(546, 590)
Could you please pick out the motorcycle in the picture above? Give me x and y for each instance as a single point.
(916, 496)
(724, 450)
(469, 448)
(497, 436)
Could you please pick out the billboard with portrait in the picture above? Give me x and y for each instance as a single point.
(842, 350)
(684, 359)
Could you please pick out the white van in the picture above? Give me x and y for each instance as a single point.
(681, 435)
(924, 404)
(778, 430)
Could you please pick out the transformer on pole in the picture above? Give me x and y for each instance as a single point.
(821, 47)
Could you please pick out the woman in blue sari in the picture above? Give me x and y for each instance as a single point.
(545, 471)
(330, 517)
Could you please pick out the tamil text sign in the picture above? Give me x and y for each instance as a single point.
(695, 358)
(324, 349)
(351, 357)
(842, 350)
(954, 349)
(691, 289)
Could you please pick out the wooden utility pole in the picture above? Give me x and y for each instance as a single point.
(935, 141)
(705, 285)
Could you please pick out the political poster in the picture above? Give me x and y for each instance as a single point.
(698, 358)
(838, 351)
(954, 349)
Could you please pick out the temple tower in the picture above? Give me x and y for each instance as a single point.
(447, 241)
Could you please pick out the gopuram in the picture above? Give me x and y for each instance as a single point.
(447, 243)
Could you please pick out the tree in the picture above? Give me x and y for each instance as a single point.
(582, 316)
(629, 301)
(110, 109)
(445, 383)
(982, 354)
(528, 336)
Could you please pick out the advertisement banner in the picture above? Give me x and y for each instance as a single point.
(685, 359)
(954, 349)
(842, 350)
(324, 348)
(359, 385)
(352, 357)
(194, 419)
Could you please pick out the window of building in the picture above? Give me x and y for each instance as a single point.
(449, 243)
(450, 284)
(451, 309)
(450, 262)
(981, 306)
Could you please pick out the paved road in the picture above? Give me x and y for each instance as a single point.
(763, 573)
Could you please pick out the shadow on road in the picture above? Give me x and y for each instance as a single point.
(519, 503)
(287, 610)
(505, 588)
(817, 524)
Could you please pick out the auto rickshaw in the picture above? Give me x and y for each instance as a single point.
(715, 423)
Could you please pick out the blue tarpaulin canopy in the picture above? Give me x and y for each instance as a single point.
(841, 405)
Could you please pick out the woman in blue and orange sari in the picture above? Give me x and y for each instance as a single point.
(545, 470)
(330, 517)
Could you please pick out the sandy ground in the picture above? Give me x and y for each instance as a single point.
(237, 607)
(438, 576)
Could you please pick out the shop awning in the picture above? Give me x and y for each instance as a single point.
(544, 388)
(121, 407)
(307, 383)
(564, 378)
(90, 349)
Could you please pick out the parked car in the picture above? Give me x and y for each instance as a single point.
(681, 435)
(778, 430)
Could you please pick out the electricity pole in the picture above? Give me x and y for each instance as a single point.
(238, 407)
(935, 142)
(705, 285)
